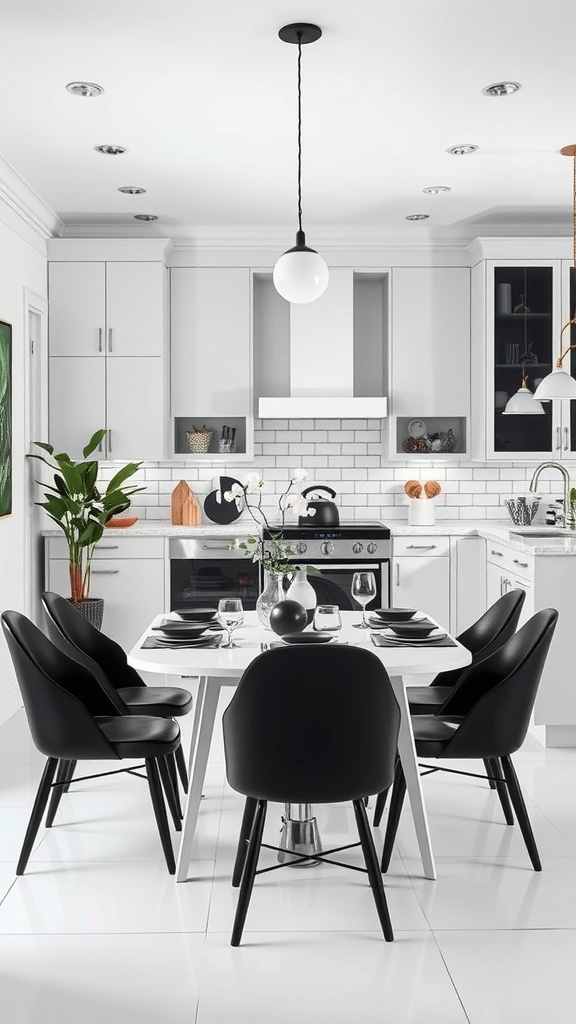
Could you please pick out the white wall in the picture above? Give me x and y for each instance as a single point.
(22, 266)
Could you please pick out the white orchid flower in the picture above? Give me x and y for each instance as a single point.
(253, 482)
(299, 476)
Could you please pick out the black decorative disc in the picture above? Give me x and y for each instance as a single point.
(309, 33)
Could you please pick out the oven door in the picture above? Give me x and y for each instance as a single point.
(335, 583)
(203, 571)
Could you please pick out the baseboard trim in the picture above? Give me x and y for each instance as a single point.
(561, 735)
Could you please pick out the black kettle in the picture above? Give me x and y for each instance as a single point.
(326, 511)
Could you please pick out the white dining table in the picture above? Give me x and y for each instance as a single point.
(218, 667)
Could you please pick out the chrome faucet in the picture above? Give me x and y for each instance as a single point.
(569, 521)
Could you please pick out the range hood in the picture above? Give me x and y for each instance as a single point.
(336, 347)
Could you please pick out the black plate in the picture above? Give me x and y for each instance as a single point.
(411, 629)
(196, 614)
(306, 638)
(394, 614)
(185, 630)
(217, 508)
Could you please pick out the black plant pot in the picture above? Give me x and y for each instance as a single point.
(92, 608)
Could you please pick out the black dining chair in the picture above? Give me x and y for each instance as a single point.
(72, 718)
(79, 639)
(310, 726)
(486, 716)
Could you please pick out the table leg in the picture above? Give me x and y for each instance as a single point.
(196, 721)
(299, 835)
(206, 728)
(407, 751)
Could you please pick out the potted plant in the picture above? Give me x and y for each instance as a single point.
(81, 510)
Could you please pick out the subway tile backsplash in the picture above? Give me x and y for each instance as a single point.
(349, 455)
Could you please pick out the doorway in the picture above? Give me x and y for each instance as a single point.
(35, 429)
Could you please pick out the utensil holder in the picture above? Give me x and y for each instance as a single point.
(522, 510)
(421, 512)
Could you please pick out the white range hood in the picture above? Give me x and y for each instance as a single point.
(322, 359)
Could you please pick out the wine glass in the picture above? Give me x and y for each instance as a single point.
(230, 615)
(363, 591)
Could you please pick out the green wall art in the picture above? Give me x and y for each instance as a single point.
(5, 418)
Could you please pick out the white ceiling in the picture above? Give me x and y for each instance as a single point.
(202, 93)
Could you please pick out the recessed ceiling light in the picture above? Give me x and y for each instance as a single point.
(145, 216)
(463, 149)
(132, 190)
(84, 89)
(436, 190)
(110, 150)
(417, 216)
(501, 89)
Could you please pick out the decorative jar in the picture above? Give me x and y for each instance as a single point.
(273, 593)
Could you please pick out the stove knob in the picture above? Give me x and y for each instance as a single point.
(357, 548)
(301, 547)
(327, 548)
(371, 548)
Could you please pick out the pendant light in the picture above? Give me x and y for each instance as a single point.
(523, 403)
(559, 383)
(300, 275)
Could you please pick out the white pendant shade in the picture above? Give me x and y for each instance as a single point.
(557, 384)
(301, 275)
(523, 403)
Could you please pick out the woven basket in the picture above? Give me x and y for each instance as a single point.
(199, 440)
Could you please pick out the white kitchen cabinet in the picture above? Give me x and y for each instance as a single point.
(106, 308)
(128, 573)
(211, 365)
(421, 575)
(108, 325)
(430, 361)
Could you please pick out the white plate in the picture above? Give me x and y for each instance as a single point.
(417, 428)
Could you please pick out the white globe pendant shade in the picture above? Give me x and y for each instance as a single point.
(557, 384)
(301, 275)
(523, 403)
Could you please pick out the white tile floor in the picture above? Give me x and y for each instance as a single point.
(97, 931)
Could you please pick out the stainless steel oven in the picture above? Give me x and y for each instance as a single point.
(204, 569)
(339, 552)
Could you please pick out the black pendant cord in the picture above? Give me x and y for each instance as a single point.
(300, 131)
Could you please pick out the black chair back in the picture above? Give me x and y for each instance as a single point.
(488, 633)
(60, 696)
(73, 634)
(312, 725)
(497, 695)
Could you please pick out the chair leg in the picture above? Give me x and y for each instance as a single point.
(172, 768)
(398, 791)
(249, 872)
(160, 812)
(37, 813)
(521, 812)
(70, 774)
(502, 790)
(245, 829)
(373, 868)
(181, 766)
(172, 798)
(65, 768)
(489, 769)
(380, 805)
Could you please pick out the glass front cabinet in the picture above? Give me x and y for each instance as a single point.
(518, 312)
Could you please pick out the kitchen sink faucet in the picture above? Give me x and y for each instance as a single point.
(569, 519)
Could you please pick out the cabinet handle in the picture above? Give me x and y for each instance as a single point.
(558, 441)
(109, 339)
(566, 444)
(107, 547)
(109, 440)
(523, 564)
(497, 553)
(215, 547)
(99, 339)
(420, 547)
(100, 446)
(397, 574)
(104, 572)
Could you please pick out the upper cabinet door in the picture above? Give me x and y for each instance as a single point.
(135, 409)
(136, 296)
(210, 342)
(77, 308)
(77, 404)
(431, 341)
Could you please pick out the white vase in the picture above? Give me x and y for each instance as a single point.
(421, 512)
(302, 591)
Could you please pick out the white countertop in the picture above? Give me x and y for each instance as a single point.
(163, 528)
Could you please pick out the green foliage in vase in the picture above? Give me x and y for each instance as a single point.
(79, 507)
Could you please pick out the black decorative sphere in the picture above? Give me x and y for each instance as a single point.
(288, 617)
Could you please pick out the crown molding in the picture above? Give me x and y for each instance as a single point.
(17, 196)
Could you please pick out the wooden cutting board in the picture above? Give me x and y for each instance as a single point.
(185, 508)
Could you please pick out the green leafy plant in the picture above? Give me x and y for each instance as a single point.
(80, 508)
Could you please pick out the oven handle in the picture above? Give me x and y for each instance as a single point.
(362, 567)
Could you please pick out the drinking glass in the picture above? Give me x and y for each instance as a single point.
(327, 618)
(230, 615)
(363, 591)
